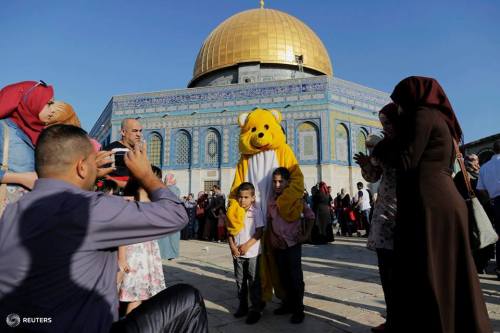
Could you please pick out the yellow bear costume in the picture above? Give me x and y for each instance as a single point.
(263, 148)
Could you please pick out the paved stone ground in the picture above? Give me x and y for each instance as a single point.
(343, 293)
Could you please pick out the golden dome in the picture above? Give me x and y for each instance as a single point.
(261, 35)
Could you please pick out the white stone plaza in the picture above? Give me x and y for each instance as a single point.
(342, 288)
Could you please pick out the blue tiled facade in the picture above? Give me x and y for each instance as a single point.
(218, 107)
(322, 101)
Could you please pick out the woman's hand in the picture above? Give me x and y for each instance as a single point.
(122, 259)
(123, 265)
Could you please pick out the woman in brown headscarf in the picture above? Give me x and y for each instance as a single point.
(437, 288)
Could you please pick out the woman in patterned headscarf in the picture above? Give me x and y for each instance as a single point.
(63, 113)
(377, 168)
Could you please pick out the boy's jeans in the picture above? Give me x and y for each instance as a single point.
(246, 272)
(289, 262)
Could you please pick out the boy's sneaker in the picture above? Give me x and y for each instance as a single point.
(253, 317)
(297, 317)
(241, 312)
(282, 310)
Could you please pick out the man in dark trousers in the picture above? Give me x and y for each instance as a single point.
(217, 201)
(58, 245)
(489, 185)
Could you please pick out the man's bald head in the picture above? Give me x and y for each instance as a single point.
(131, 131)
(59, 148)
(128, 123)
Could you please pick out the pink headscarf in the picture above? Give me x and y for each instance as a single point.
(170, 179)
(97, 146)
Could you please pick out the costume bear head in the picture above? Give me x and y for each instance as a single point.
(260, 131)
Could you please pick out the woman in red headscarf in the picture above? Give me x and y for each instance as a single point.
(437, 288)
(24, 112)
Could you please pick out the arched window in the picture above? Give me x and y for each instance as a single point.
(308, 142)
(341, 143)
(154, 149)
(212, 147)
(361, 141)
(182, 148)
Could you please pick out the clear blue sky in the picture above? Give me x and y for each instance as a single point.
(93, 49)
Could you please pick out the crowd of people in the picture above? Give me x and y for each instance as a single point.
(343, 215)
(85, 227)
(207, 216)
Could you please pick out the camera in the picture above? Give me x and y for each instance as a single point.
(118, 156)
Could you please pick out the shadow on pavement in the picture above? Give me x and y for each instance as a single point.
(220, 290)
(378, 309)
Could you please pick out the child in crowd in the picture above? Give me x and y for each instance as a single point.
(286, 240)
(141, 262)
(245, 249)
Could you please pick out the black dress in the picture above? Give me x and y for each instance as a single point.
(437, 287)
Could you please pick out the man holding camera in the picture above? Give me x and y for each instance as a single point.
(58, 245)
(131, 132)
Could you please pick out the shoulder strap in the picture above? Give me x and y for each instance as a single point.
(460, 160)
(4, 166)
(6, 136)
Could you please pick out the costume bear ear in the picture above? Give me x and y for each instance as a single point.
(242, 118)
(276, 115)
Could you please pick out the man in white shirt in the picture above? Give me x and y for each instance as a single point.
(362, 200)
(489, 183)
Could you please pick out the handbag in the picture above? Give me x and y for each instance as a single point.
(482, 232)
(200, 211)
(351, 215)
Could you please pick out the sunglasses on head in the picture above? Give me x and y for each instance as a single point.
(39, 83)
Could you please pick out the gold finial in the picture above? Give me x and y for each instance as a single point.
(261, 3)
